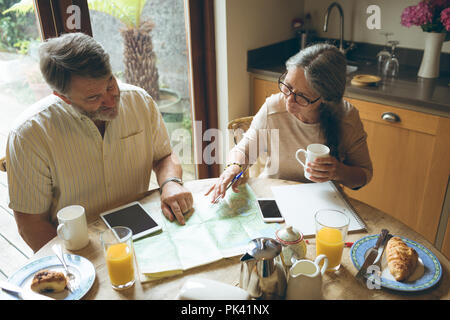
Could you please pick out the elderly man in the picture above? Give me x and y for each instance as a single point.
(94, 142)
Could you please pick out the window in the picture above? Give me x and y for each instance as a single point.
(147, 47)
(21, 83)
(182, 42)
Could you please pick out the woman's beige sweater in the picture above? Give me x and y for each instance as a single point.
(277, 134)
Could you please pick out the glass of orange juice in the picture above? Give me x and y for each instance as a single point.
(331, 230)
(117, 245)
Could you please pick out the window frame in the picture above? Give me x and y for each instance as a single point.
(51, 15)
(199, 14)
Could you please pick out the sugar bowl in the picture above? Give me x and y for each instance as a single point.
(294, 247)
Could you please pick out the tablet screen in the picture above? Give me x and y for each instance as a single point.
(133, 217)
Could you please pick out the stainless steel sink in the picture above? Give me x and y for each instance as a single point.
(354, 65)
(351, 69)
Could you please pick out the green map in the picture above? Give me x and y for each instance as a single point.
(212, 232)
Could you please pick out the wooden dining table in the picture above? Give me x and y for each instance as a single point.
(339, 285)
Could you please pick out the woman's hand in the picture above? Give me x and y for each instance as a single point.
(324, 169)
(219, 188)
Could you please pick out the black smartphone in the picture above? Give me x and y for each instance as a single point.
(269, 210)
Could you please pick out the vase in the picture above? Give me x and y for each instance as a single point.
(429, 68)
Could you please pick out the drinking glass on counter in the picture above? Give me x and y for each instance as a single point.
(384, 54)
(391, 66)
(119, 254)
(331, 231)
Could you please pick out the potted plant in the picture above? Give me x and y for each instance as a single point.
(433, 16)
(139, 57)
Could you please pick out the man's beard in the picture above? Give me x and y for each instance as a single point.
(102, 113)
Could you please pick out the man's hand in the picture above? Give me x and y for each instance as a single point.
(176, 201)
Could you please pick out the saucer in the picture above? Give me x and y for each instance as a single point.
(82, 268)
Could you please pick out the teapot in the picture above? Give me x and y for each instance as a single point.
(262, 273)
(305, 279)
(293, 245)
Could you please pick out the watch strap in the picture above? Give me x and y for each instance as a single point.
(174, 179)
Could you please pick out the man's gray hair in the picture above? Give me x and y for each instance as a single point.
(325, 70)
(72, 54)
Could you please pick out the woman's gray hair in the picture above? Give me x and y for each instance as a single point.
(325, 72)
(72, 54)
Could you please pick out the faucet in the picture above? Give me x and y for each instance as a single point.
(325, 26)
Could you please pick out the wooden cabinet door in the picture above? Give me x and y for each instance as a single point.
(262, 89)
(410, 165)
(446, 243)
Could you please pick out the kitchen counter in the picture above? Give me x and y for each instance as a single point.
(430, 96)
(425, 123)
(408, 91)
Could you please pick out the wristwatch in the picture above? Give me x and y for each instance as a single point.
(174, 179)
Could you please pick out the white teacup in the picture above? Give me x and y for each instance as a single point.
(312, 152)
(72, 227)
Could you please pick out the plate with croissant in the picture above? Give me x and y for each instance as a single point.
(404, 266)
(47, 276)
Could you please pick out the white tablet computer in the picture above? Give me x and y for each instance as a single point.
(133, 216)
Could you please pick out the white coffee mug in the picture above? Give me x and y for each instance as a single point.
(312, 152)
(72, 227)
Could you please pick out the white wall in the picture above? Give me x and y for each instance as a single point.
(355, 16)
(243, 25)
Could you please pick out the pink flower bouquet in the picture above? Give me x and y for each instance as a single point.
(445, 18)
(430, 15)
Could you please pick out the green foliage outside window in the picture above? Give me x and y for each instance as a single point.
(16, 29)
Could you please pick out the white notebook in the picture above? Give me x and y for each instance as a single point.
(298, 204)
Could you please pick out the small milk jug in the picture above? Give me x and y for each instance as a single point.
(305, 279)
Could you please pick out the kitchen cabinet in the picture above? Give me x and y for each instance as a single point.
(411, 161)
(262, 89)
(446, 243)
(411, 164)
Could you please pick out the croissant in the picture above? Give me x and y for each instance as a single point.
(402, 260)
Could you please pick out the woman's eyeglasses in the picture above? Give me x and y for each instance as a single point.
(298, 97)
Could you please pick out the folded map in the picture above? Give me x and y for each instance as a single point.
(212, 232)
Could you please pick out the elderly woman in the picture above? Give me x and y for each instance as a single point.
(309, 109)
